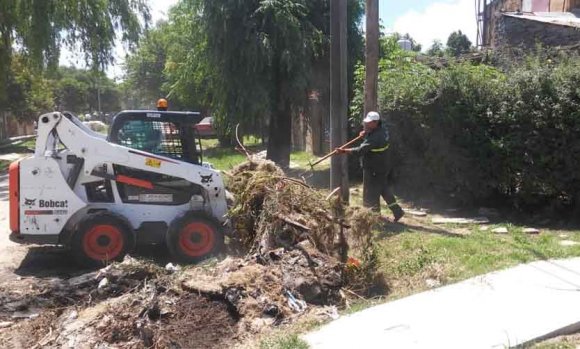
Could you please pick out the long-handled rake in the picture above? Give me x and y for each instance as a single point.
(332, 153)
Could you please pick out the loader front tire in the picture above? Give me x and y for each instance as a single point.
(99, 239)
(194, 237)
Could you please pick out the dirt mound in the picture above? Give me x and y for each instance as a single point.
(205, 306)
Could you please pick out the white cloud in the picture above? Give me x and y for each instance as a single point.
(438, 20)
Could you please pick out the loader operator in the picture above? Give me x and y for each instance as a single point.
(377, 169)
(162, 104)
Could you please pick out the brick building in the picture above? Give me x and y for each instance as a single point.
(526, 23)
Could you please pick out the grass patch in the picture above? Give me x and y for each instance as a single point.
(225, 158)
(30, 144)
(4, 165)
(18, 147)
(289, 341)
(419, 253)
(303, 159)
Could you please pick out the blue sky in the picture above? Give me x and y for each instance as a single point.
(424, 20)
(428, 20)
(390, 10)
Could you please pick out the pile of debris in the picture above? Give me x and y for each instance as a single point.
(273, 210)
(135, 304)
(303, 251)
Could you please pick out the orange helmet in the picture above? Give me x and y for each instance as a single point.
(162, 103)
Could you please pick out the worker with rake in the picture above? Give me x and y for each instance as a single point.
(377, 171)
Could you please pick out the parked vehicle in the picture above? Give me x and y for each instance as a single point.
(205, 128)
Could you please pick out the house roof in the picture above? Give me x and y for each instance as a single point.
(568, 19)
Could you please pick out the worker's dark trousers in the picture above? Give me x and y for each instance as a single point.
(376, 185)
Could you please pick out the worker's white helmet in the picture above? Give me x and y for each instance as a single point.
(372, 116)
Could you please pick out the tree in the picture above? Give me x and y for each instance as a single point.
(257, 62)
(230, 56)
(436, 49)
(458, 43)
(144, 70)
(40, 27)
(72, 95)
(27, 92)
(78, 90)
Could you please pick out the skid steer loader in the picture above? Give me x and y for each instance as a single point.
(145, 183)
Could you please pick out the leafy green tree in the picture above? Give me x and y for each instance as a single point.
(235, 67)
(256, 56)
(436, 49)
(79, 90)
(27, 91)
(72, 89)
(107, 90)
(72, 95)
(144, 70)
(458, 44)
(40, 27)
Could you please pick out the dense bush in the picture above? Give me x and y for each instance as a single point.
(479, 133)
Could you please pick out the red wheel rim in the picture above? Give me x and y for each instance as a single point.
(103, 242)
(196, 239)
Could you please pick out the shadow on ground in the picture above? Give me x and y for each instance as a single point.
(393, 229)
(53, 261)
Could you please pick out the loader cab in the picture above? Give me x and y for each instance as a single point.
(166, 133)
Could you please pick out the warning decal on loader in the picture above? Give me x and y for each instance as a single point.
(45, 212)
(152, 162)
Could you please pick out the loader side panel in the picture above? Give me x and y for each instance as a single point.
(47, 201)
(14, 191)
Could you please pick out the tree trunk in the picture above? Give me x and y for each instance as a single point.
(280, 128)
(280, 133)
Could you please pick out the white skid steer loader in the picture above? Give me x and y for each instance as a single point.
(100, 196)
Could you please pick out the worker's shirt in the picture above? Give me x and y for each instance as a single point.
(373, 151)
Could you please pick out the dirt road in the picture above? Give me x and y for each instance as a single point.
(10, 253)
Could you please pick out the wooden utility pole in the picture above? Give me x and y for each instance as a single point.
(338, 95)
(372, 55)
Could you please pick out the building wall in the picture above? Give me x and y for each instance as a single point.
(492, 13)
(519, 32)
(549, 5)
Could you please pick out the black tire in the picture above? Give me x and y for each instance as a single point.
(194, 237)
(101, 238)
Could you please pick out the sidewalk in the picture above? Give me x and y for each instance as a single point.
(497, 310)
(12, 156)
